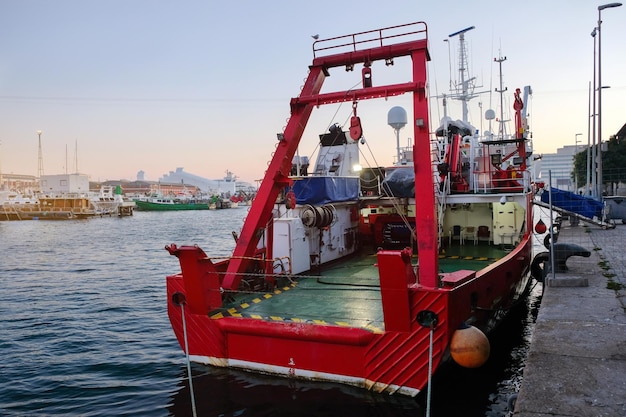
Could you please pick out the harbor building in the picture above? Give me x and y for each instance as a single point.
(561, 166)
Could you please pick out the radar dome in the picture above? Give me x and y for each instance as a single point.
(490, 114)
(396, 117)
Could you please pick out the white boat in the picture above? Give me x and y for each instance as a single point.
(111, 201)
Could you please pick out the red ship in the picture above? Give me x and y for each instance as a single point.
(366, 276)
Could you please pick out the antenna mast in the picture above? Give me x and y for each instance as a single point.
(465, 88)
(502, 127)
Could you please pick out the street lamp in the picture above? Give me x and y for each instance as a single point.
(600, 8)
(592, 164)
(589, 148)
(40, 158)
(576, 153)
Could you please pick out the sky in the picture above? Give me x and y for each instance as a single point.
(121, 86)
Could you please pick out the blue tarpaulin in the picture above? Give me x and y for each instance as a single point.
(578, 204)
(399, 182)
(324, 190)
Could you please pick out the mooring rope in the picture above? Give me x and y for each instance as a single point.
(430, 369)
(193, 400)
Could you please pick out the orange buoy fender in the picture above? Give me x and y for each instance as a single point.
(469, 347)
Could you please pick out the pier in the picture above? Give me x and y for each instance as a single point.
(576, 364)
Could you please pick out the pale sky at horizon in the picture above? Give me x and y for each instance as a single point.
(153, 85)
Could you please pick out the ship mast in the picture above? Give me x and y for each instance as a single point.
(464, 89)
(502, 123)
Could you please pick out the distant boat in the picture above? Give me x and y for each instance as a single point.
(110, 201)
(78, 205)
(160, 203)
(14, 206)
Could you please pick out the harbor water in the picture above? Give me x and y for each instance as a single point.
(85, 332)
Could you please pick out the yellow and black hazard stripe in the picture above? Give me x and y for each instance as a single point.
(469, 258)
(240, 312)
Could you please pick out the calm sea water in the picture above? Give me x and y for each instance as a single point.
(85, 332)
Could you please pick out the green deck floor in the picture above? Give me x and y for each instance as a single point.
(346, 294)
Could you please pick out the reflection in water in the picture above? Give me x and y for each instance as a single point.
(224, 392)
(456, 391)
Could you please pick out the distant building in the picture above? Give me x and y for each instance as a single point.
(228, 185)
(560, 165)
(146, 188)
(26, 184)
(64, 183)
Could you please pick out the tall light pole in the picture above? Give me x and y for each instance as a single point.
(576, 153)
(600, 8)
(588, 183)
(594, 114)
(40, 158)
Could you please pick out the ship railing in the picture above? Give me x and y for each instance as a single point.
(371, 187)
(271, 270)
(370, 39)
(502, 181)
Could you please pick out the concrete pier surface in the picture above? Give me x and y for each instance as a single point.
(576, 364)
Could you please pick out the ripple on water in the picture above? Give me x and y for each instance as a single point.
(85, 331)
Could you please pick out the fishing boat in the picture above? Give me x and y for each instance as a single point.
(111, 201)
(168, 203)
(373, 276)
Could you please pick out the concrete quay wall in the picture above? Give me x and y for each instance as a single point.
(576, 364)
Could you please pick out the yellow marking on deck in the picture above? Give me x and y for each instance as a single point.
(266, 296)
(468, 258)
(245, 305)
(232, 310)
(256, 300)
(231, 313)
(374, 329)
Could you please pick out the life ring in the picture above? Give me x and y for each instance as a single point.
(537, 266)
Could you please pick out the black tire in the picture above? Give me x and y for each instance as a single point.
(538, 265)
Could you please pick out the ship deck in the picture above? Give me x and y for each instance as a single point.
(343, 294)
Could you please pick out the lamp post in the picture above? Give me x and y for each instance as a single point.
(594, 114)
(40, 158)
(600, 8)
(576, 153)
(588, 179)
